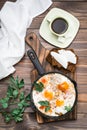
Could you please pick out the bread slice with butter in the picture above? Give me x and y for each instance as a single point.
(63, 59)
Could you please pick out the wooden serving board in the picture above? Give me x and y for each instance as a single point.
(42, 52)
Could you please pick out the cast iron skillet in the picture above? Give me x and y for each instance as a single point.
(33, 57)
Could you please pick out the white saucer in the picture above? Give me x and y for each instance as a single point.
(53, 39)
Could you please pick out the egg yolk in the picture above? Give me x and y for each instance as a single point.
(63, 87)
(59, 102)
(48, 95)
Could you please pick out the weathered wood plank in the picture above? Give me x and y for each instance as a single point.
(82, 89)
(82, 98)
(82, 79)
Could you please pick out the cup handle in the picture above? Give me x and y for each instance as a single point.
(49, 19)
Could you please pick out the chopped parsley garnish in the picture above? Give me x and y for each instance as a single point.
(39, 86)
(67, 108)
(46, 104)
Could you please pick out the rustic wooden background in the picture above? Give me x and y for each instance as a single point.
(79, 9)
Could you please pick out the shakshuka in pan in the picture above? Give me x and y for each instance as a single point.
(54, 94)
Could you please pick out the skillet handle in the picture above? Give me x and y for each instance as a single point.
(33, 57)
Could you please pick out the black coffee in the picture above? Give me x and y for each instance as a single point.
(59, 25)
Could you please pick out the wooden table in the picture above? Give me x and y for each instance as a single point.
(79, 9)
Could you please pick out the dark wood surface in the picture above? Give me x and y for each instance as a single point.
(23, 69)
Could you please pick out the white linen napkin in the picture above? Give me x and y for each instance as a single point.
(15, 17)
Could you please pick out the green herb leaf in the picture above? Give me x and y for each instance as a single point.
(28, 97)
(7, 117)
(15, 111)
(39, 86)
(21, 97)
(47, 109)
(5, 105)
(16, 83)
(17, 114)
(21, 84)
(26, 104)
(44, 103)
(18, 119)
(15, 93)
(10, 92)
(4, 102)
(13, 83)
(22, 104)
(67, 108)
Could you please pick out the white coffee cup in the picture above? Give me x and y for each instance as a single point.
(58, 26)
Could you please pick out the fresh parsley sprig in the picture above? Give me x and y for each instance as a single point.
(15, 101)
